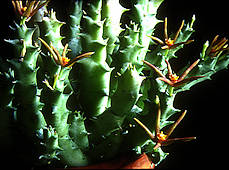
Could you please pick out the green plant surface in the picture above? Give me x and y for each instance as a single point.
(103, 87)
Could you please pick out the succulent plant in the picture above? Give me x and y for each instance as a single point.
(104, 88)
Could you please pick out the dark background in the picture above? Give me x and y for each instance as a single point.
(207, 102)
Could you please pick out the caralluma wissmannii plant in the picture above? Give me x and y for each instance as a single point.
(102, 87)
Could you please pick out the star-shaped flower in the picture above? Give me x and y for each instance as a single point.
(159, 137)
(174, 80)
(29, 9)
(169, 43)
(62, 60)
(217, 47)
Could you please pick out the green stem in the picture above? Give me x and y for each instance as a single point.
(56, 76)
(22, 21)
(170, 90)
(166, 53)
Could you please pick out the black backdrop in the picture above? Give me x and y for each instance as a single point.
(206, 102)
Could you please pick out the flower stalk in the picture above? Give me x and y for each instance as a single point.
(174, 80)
(62, 60)
(159, 137)
(28, 9)
(217, 46)
(169, 43)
